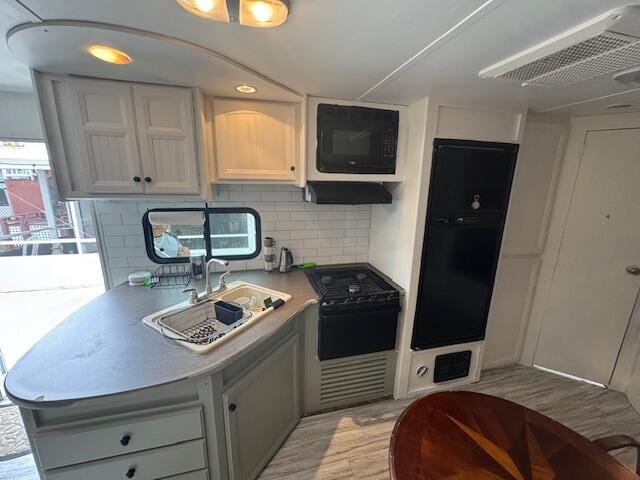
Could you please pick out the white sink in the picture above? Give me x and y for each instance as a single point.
(183, 321)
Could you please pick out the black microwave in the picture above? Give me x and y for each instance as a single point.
(356, 139)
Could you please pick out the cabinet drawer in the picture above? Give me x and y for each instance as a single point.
(151, 465)
(104, 440)
(199, 475)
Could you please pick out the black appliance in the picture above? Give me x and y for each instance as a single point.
(468, 198)
(348, 193)
(358, 311)
(451, 366)
(356, 139)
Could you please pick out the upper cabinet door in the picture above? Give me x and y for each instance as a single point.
(165, 122)
(255, 140)
(106, 135)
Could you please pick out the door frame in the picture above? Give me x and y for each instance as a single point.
(580, 127)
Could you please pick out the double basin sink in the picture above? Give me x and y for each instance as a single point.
(197, 327)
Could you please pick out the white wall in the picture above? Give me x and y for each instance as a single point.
(324, 234)
(19, 117)
(532, 193)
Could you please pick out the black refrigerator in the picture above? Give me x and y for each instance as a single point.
(468, 198)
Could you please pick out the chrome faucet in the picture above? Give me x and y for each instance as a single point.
(222, 280)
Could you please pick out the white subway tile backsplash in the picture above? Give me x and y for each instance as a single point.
(111, 219)
(244, 196)
(317, 225)
(305, 233)
(317, 242)
(356, 232)
(323, 234)
(276, 196)
(113, 230)
(303, 215)
(131, 218)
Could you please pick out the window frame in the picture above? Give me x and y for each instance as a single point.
(206, 211)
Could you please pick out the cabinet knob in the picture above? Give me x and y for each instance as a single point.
(124, 441)
(232, 407)
(130, 473)
(147, 179)
(293, 168)
(137, 179)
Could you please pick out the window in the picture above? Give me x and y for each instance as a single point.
(173, 235)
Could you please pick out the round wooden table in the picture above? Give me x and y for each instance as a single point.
(466, 435)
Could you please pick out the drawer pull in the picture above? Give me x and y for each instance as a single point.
(232, 407)
(130, 473)
(124, 441)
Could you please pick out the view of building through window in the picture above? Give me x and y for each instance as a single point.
(48, 251)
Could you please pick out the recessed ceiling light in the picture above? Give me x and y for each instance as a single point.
(109, 54)
(252, 13)
(211, 9)
(246, 89)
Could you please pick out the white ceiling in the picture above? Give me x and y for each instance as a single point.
(343, 48)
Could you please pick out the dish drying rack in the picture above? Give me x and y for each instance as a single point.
(200, 327)
(171, 276)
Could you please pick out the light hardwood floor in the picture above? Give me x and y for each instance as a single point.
(353, 443)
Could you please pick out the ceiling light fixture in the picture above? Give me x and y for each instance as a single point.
(109, 54)
(246, 89)
(252, 13)
(211, 9)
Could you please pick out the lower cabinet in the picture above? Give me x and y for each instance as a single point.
(149, 465)
(261, 408)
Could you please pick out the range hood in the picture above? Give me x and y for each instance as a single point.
(347, 193)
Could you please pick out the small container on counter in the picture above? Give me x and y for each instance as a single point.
(269, 252)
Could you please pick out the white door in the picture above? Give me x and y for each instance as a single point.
(255, 140)
(106, 133)
(592, 293)
(165, 122)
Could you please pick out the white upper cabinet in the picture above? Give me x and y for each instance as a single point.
(106, 135)
(164, 117)
(255, 141)
(113, 138)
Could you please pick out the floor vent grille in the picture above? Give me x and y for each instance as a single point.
(351, 378)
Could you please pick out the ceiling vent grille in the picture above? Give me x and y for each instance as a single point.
(350, 379)
(602, 46)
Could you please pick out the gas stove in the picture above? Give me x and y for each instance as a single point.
(358, 311)
(351, 286)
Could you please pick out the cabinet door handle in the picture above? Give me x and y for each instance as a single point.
(124, 441)
(292, 168)
(147, 179)
(130, 473)
(137, 179)
(232, 407)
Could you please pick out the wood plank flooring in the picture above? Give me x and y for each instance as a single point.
(352, 444)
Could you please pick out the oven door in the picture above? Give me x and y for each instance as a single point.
(356, 141)
(355, 332)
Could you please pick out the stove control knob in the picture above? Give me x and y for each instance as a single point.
(360, 300)
(347, 300)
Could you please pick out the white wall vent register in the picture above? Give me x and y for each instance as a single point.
(602, 45)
